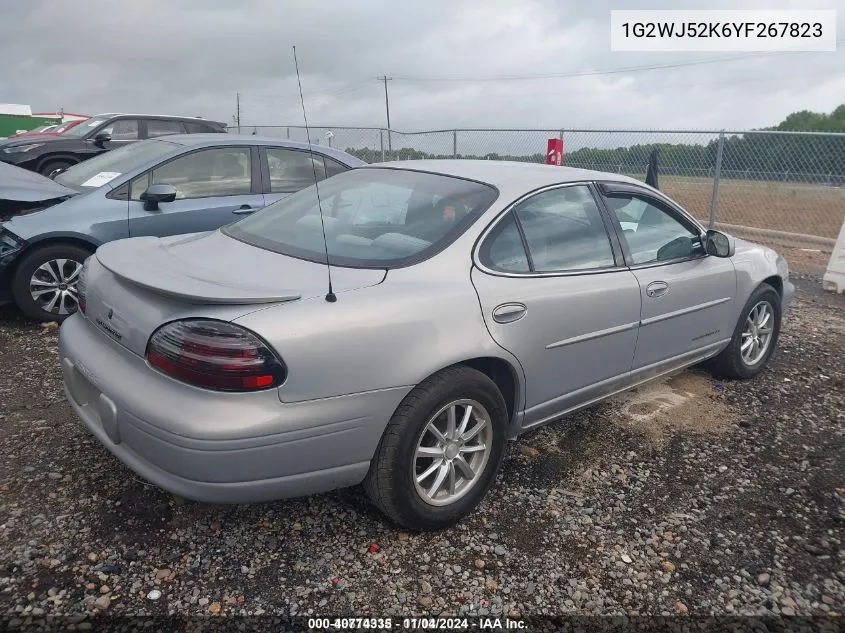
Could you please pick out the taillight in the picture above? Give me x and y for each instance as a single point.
(215, 355)
(82, 286)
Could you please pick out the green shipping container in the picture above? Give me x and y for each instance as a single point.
(11, 123)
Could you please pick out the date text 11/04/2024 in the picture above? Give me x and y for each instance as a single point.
(425, 624)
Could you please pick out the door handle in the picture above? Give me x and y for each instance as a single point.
(241, 210)
(657, 289)
(509, 312)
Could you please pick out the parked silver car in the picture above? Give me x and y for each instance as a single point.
(467, 301)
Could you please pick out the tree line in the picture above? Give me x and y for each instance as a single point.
(752, 156)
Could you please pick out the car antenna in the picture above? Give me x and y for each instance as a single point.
(330, 296)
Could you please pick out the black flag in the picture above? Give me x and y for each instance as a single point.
(651, 172)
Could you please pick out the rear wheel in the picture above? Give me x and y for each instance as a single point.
(754, 337)
(48, 167)
(441, 450)
(44, 285)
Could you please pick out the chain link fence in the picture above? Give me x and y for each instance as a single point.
(780, 188)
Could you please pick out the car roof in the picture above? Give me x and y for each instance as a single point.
(249, 139)
(108, 115)
(500, 173)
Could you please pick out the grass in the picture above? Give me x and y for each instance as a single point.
(792, 207)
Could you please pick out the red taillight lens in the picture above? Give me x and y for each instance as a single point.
(215, 355)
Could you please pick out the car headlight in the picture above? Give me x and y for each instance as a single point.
(9, 243)
(17, 149)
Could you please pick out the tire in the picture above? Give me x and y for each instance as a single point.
(390, 482)
(42, 264)
(48, 167)
(731, 361)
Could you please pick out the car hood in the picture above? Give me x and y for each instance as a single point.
(22, 185)
(28, 140)
(212, 268)
(23, 192)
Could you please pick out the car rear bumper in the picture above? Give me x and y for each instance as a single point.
(217, 447)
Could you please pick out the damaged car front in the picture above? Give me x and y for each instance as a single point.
(23, 192)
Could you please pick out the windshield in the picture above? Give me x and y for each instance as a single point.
(64, 127)
(101, 169)
(83, 128)
(373, 218)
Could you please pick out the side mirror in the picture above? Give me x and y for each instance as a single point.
(102, 137)
(718, 244)
(52, 175)
(156, 193)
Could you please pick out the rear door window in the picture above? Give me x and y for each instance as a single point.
(160, 127)
(291, 170)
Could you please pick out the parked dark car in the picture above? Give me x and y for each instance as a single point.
(167, 186)
(100, 133)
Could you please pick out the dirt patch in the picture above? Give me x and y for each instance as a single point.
(796, 208)
(685, 402)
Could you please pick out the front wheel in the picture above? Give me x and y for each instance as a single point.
(44, 285)
(441, 450)
(754, 337)
(47, 168)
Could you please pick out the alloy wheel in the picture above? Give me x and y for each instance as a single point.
(53, 286)
(757, 335)
(452, 452)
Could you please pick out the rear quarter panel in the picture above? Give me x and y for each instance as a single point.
(418, 321)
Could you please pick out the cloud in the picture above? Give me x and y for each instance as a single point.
(192, 57)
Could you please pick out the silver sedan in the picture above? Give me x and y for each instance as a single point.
(400, 327)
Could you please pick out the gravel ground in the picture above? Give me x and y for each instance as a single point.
(692, 495)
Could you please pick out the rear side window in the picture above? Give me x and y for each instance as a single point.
(563, 230)
(158, 127)
(333, 167)
(291, 170)
(503, 249)
(199, 128)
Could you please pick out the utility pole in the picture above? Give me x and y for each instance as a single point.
(238, 110)
(385, 79)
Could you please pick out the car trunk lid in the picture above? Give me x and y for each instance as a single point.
(135, 285)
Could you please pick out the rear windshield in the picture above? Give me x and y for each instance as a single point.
(97, 171)
(373, 218)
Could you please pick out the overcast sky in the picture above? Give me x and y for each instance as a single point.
(192, 56)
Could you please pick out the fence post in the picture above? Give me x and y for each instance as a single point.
(454, 143)
(287, 133)
(381, 143)
(563, 149)
(717, 173)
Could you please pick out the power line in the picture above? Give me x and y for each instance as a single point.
(610, 71)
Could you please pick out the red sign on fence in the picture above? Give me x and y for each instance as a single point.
(554, 152)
